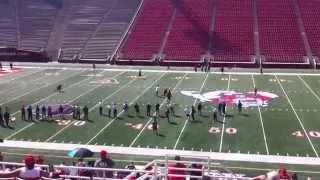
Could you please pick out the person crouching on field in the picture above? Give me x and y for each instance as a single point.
(28, 172)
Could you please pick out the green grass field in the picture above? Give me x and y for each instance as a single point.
(288, 126)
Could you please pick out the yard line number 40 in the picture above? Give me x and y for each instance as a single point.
(314, 134)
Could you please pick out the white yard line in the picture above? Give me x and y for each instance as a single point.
(133, 69)
(92, 108)
(150, 119)
(186, 121)
(307, 85)
(28, 92)
(261, 121)
(31, 124)
(301, 124)
(224, 120)
(133, 101)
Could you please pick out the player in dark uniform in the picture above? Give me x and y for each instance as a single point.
(29, 113)
(23, 113)
(59, 88)
(50, 113)
(140, 73)
(169, 95)
(155, 125)
(115, 112)
(167, 114)
(60, 110)
(215, 116)
(137, 108)
(86, 113)
(37, 113)
(220, 108)
(43, 112)
(222, 70)
(239, 106)
(224, 106)
(100, 109)
(200, 109)
(6, 117)
(78, 112)
(193, 111)
(11, 65)
(148, 110)
(125, 107)
(157, 109)
(255, 91)
(0, 66)
(74, 112)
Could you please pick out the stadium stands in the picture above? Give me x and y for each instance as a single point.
(310, 15)
(189, 37)
(8, 24)
(145, 37)
(85, 16)
(233, 40)
(280, 39)
(108, 34)
(36, 20)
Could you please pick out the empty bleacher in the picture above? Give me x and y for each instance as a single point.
(84, 18)
(145, 37)
(189, 37)
(233, 38)
(8, 26)
(36, 20)
(280, 39)
(111, 29)
(310, 12)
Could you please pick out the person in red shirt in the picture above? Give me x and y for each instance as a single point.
(283, 174)
(40, 160)
(174, 171)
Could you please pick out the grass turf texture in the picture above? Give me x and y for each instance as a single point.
(266, 131)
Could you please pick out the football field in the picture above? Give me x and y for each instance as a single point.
(284, 120)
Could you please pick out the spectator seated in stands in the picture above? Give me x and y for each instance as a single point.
(195, 173)
(174, 171)
(29, 172)
(283, 174)
(104, 162)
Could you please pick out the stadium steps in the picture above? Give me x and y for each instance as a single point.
(8, 24)
(108, 36)
(36, 20)
(310, 16)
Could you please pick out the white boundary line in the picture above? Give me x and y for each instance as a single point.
(186, 121)
(261, 121)
(150, 119)
(307, 85)
(136, 69)
(273, 159)
(92, 108)
(224, 120)
(134, 100)
(31, 124)
(301, 124)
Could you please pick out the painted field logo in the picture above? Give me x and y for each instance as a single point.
(248, 99)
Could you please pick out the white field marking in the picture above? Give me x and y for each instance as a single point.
(150, 119)
(301, 124)
(134, 100)
(186, 121)
(130, 69)
(31, 124)
(224, 120)
(261, 121)
(307, 85)
(28, 92)
(92, 108)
